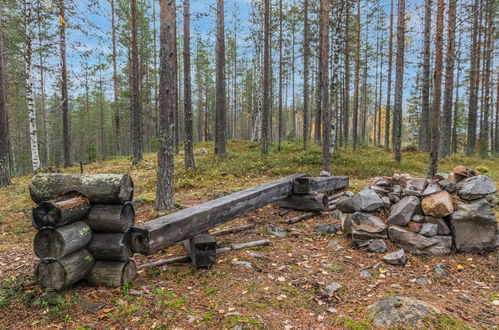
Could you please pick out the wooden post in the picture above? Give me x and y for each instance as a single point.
(112, 274)
(203, 250)
(59, 242)
(312, 202)
(110, 246)
(319, 184)
(59, 213)
(111, 218)
(61, 274)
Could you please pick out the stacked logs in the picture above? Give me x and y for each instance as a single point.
(83, 224)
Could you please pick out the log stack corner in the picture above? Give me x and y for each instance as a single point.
(83, 229)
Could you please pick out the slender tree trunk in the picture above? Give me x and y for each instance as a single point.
(346, 95)
(424, 135)
(266, 79)
(446, 132)
(380, 95)
(305, 73)
(489, 45)
(4, 124)
(43, 113)
(456, 102)
(281, 119)
(64, 87)
(356, 82)
(326, 133)
(167, 68)
(102, 123)
(473, 89)
(189, 156)
(496, 135)
(135, 95)
(117, 122)
(176, 112)
(220, 82)
(399, 82)
(437, 79)
(389, 82)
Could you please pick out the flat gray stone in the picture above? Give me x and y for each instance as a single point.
(367, 201)
(429, 229)
(397, 189)
(432, 188)
(443, 228)
(417, 184)
(475, 187)
(474, 226)
(402, 212)
(363, 238)
(367, 222)
(409, 192)
(442, 269)
(442, 176)
(333, 243)
(394, 197)
(276, 231)
(365, 274)
(332, 288)
(328, 229)
(395, 258)
(401, 313)
(418, 218)
(419, 244)
(421, 281)
(345, 205)
(243, 263)
(377, 246)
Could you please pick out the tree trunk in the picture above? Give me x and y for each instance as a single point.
(356, 81)
(61, 274)
(266, 79)
(473, 89)
(98, 188)
(167, 99)
(424, 135)
(318, 84)
(346, 96)
(399, 81)
(305, 73)
(135, 94)
(389, 82)
(437, 79)
(66, 124)
(456, 102)
(111, 218)
(326, 133)
(43, 113)
(189, 156)
(488, 49)
(60, 212)
(221, 143)
(281, 117)
(59, 242)
(110, 246)
(446, 130)
(117, 123)
(112, 274)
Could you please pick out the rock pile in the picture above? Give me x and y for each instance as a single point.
(421, 216)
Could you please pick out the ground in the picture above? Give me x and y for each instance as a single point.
(283, 291)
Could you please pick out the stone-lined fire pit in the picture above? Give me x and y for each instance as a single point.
(421, 216)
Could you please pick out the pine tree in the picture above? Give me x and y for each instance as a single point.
(189, 156)
(4, 129)
(399, 82)
(66, 124)
(135, 94)
(324, 34)
(424, 144)
(220, 143)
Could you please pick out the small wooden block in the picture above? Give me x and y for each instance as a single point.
(311, 202)
(309, 185)
(203, 250)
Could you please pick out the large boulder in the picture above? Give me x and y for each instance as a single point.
(367, 222)
(475, 187)
(367, 201)
(419, 244)
(402, 212)
(401, 313)
(474, 226)
(438, 205)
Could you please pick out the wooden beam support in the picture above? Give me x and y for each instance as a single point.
(310, 185)
(203, 250)
(312, 202)
(168, 230)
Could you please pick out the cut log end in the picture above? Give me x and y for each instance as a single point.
(110, 246)
(58, 213)
(112, 273)
(48, 243)
(126, 189)
(139, 241)
(45, 214)
(111, 218)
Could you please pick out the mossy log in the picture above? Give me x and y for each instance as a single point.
(110, 246)
(98, 188)
(61, 274)
(111, 218)
(59, 242)
(112, 274)
(58, 213)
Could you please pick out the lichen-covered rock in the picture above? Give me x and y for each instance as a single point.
(402, 212)
(429, 229)
(345, 205)
(367, 222)
(419, 244)
(328, 228)
(475, 187)
(367, 201)
(438, 205)
(401, 313)
(474, 226)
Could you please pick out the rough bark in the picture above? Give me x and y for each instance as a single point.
(59, 242)
(203, 250)
(437, 91)
(424, 134)
(221, 143)
(135, 92)
(473, 89)
(399, 81)
(110, 246)
(117, 123)
(66, 124)
(326, 118)
(60, 212)
(281, 123)
(112, 274)
(456, 102)
(389, 82)
(61, 274)
(305, 73)
(167, 99)
(98, 188)
(346, 88)
(356, 81)
(486, 96)
(266, 79)
(111, 218)
(188, 153)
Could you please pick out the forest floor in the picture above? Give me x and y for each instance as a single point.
(282, 291)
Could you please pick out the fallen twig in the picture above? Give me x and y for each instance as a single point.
(303, 217)
(232, 230)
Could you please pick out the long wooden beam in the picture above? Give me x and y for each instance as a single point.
(170, 229)
(319, 184)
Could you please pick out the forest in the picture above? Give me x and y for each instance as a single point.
(84, 81)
